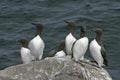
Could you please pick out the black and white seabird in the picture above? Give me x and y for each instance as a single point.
(70, 38)
(25, 52)
(37, 45)
(80, 46)
(97, 49)
(59, 52)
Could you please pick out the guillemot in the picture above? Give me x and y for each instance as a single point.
(70, 38)
(25, 52)
(58, 52)
(37, 45)
(97, 49)
(80, 46)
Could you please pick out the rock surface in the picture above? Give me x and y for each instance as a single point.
(55, 69)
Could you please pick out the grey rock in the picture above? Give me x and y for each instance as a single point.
(55, 69)
(3, 78)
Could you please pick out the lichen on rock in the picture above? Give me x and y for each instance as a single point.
(55, 69)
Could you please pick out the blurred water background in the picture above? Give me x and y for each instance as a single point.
(16, 17)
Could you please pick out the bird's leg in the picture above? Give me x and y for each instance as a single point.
(93, 63)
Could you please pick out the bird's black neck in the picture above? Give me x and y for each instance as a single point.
(61, 46)
(25, 45)
(72, 30)
(82, 34)
(38, 32)
(98, 38)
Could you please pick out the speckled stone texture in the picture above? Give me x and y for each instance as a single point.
(55, 69)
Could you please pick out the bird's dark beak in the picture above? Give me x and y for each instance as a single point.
(66, 21)
(33, 23)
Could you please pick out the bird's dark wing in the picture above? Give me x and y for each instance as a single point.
(72, 49)
(52, 53)
(103, 52)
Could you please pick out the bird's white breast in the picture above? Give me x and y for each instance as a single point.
(60, 54)
(36, 46)
(95, 50)
(80, 48)
(70, 39)
(26, 55)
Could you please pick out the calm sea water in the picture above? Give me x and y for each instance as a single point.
(16, 17)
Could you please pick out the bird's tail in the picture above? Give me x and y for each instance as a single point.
(105, 62)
